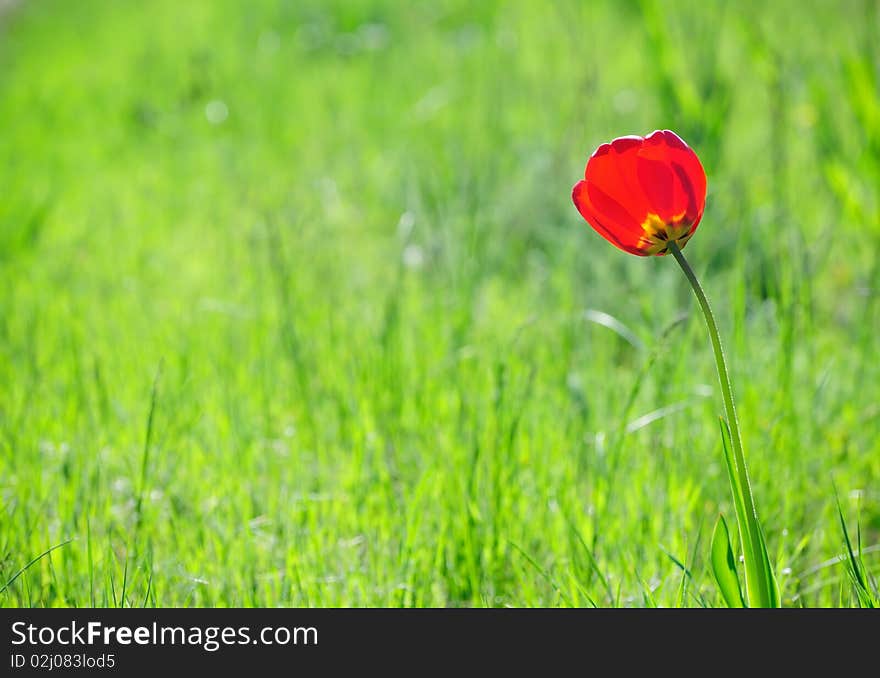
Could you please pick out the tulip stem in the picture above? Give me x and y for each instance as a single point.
(760, 583)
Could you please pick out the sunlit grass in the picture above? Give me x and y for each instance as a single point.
(394, 365)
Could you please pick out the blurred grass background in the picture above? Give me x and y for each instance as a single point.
(295, 308)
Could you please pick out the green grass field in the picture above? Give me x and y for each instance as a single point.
(296, 310)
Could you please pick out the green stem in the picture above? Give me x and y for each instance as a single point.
(760, 585)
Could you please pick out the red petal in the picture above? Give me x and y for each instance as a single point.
(624, 238)
(612, 169)
(672, 177)
(661, 186)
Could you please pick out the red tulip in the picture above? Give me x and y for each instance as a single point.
(641, 192)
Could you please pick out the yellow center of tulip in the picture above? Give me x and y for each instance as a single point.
(659, 233)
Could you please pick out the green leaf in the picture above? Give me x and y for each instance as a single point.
(724, 565)
(762, 590)
(771, 586)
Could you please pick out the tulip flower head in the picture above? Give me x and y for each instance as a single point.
(640, 193)
(646, 196)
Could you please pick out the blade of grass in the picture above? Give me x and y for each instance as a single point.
(724, 565)
(547, 577)
(145, 458)
(854, 564)
(33, 562)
